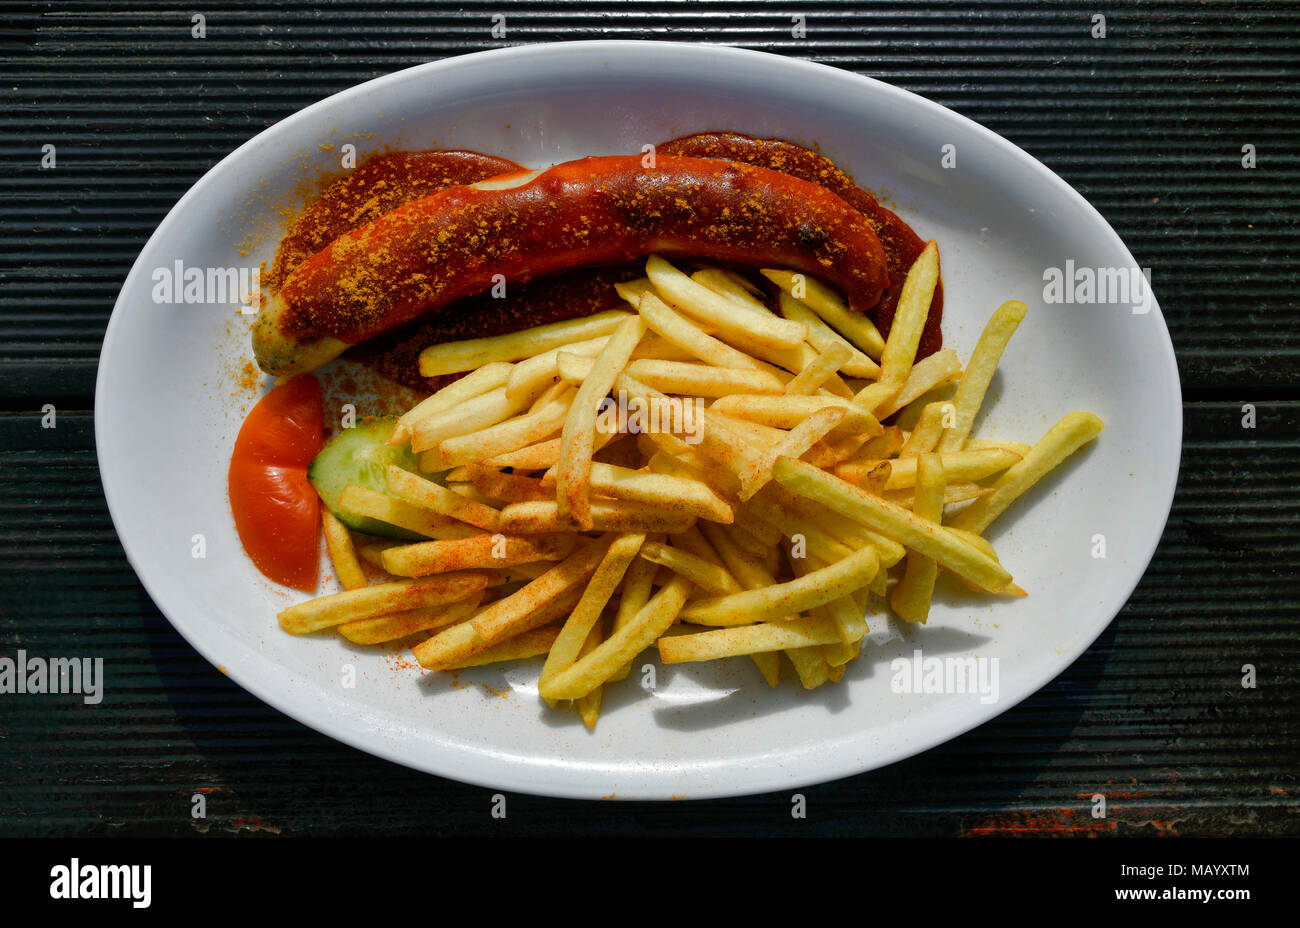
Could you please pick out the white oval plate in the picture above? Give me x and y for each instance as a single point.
(166, 422)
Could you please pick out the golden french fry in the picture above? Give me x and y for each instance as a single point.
(618, 649)
(942, 367)
(618, 556)
(892, 521)
(786, 411)
(708, 577)
(815, 588)
(966, 466)
(588, 706)
(373, 553)
(818, 370)
(418, 491)
(983, 362)
(953, 493)
(672, 494)
(607, 515)
(472, 415)
(1072, 432)
(729, 318)
(527, 644)
(453, 357)
(747, 639)
(476, 383)
(701, 379)
(541, 455)
(756, 472)
(578, 440)
(510, 488)
(910, 597)
(909, 318)
(510, 615)
(856, 363)
(507, 436)
(363, 501)
(688, 336)
(980, 444)
(826, 303)
(342, 552)
(538, 371)
(400, 624)
(457, 643)
(432, 557)
(928, 431)
(380, 599)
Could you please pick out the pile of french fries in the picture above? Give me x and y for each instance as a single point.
(762, 530)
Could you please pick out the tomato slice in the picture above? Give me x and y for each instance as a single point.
(277, 511)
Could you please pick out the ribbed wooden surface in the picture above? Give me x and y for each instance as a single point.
(1148, 124)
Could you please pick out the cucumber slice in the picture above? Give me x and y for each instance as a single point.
(358, 455)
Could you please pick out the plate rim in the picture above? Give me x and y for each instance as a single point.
(514, 775)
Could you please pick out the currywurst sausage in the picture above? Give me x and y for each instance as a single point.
(425, 255)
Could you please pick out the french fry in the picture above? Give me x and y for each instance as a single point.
(708, 577)
(928, 431)
(680, 495)
(477, 382)
(472, 415)
(820, 369)
(638, 585)
(607, 515)
(953, 493)
(588, 706)
(509, 616)
(527, 644)
(453, 357)
(730, 318)
(909, 318)
(981, 444)
(940, 368)
(806, 632)
(622, 646)
(910, 598)
(1072, 432)
(457, 643)
(689, 337)
(756, 472)
(966, 466)
(979, 541)
(363, 501)
(400, 624)
(541, 455)
(488, 551)
(380, 599)
(578, 440)
(701, 379)
(787, 412)
(342, 552)
(979, 372)
(373, 553)
(880, 447)
(815, 588)
(856, 363)
(418, 491)
(892, 521)
(618, 556)
(538, 371)
(507, 436)
(510, 488)
(826, 303)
